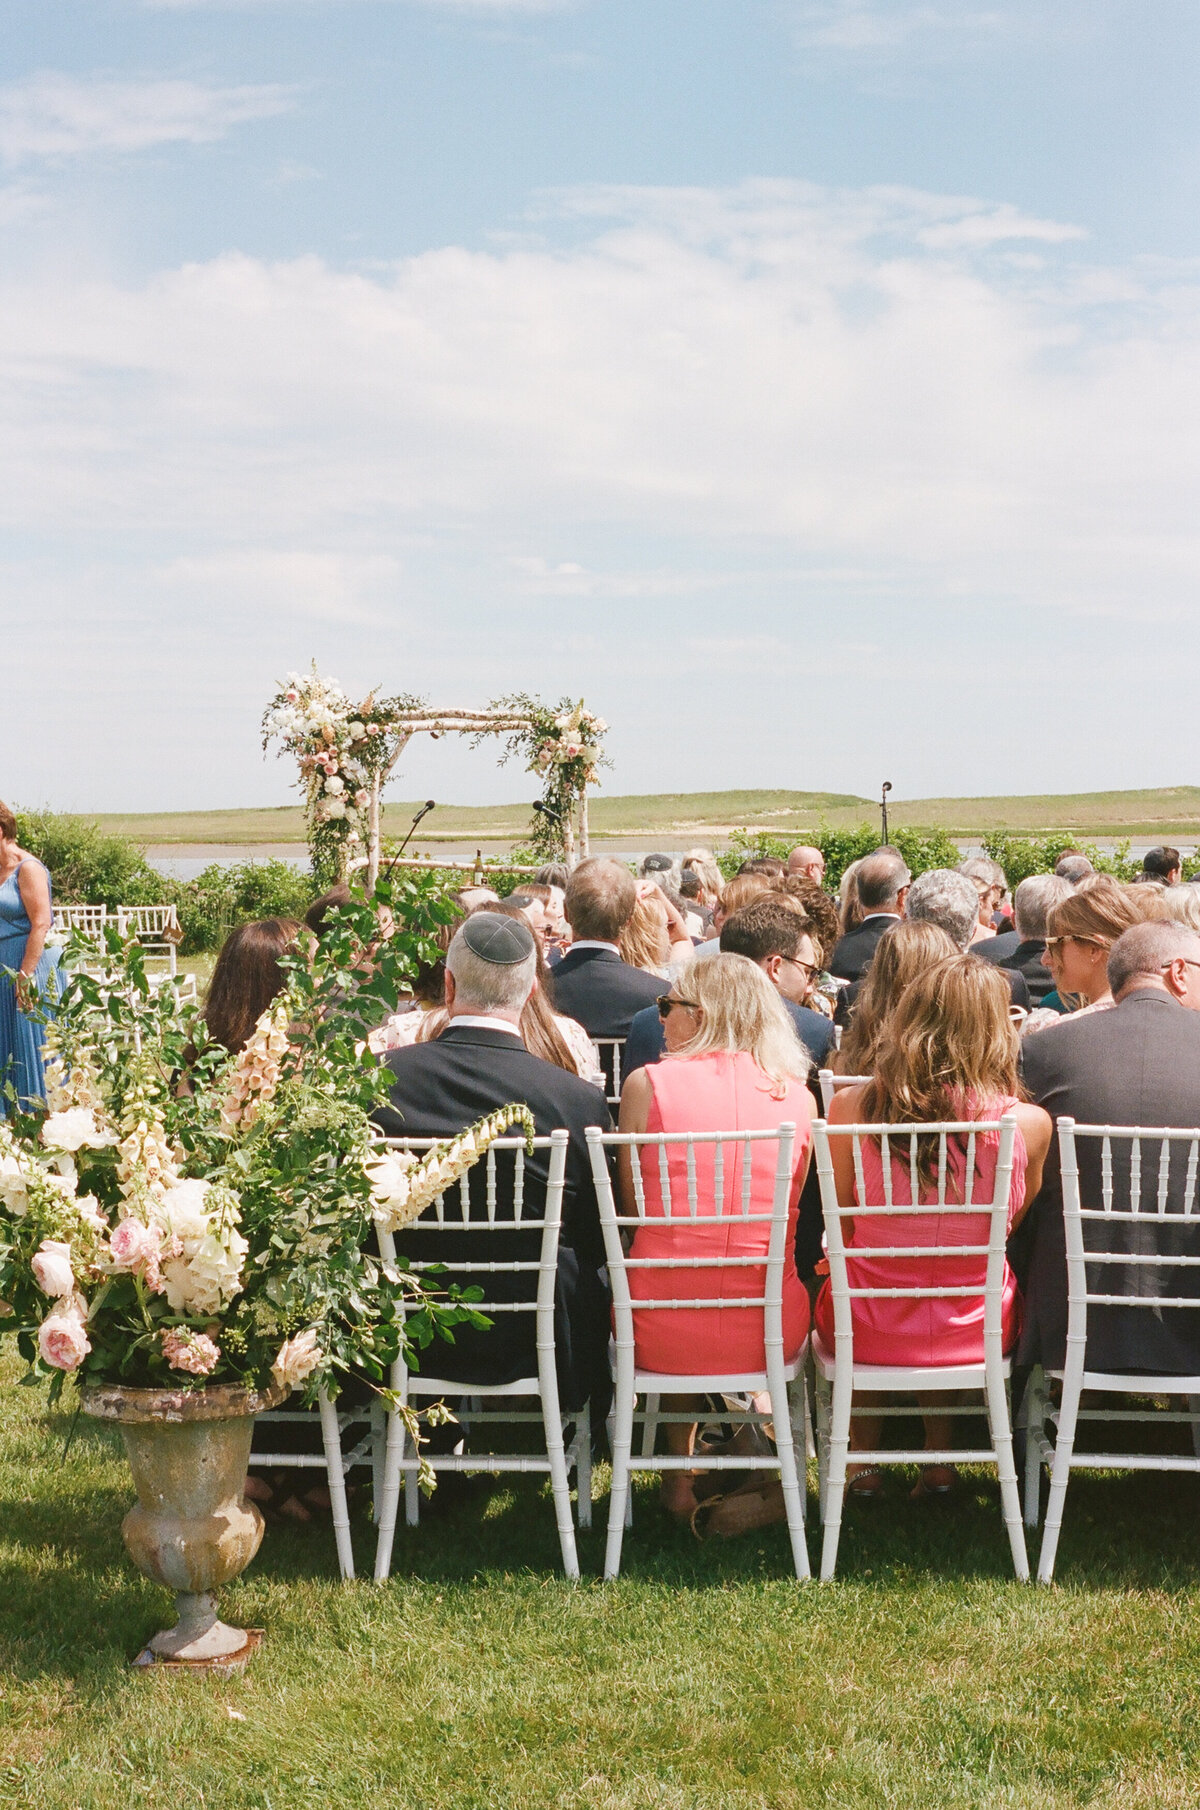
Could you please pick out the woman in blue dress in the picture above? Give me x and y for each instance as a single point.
(25, 919)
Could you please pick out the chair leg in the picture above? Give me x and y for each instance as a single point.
(821, 1397)
(387, 1502)
(835, 1489)
(782, 1413)
(650, 1425)
(619, 1500)
(1035, 1443)
(1000, 1428)
(331, 1437)
(1060, 1472)
(1193, 1402)
(583, 1466)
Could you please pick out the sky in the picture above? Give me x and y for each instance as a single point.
(813, 386)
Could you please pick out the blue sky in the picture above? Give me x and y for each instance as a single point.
(814, 385)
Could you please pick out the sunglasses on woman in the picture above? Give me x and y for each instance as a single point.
(666, 1001)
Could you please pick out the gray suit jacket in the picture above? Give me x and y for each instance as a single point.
(1138, 1064)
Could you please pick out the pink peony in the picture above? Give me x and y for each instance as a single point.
(136, 1249)
(52, 1268)
(194, 1352)
(62, 1338)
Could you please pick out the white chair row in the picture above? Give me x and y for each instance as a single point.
(388, 1444)
(156, 927)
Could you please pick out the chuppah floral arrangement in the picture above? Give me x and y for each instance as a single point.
(562, 744)
(182, 1217)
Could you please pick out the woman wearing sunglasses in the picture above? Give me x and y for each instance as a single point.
(1080, 932)
(733, 1062)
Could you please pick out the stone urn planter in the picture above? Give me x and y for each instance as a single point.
(191, 1528)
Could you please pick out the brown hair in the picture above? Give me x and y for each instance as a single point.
(949, 1051)
(770, 925)
(741, 891)
(1100, 910)
(600, 897)
(769, 865)
(337, 896)
(822, 911)
(246, 978)
(902, 952)
(8, 823)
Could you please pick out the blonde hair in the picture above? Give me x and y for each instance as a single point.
(742, 1011)
(702, 864)
(948, 1050)
(1100, 910)
(643, 940)
(850, 911)
(902, 952)
(1182, 903)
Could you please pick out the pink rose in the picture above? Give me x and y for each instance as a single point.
(194, 1352)
(62, 1338)
(136, 1249)
(298, 1358)
(52, 1269)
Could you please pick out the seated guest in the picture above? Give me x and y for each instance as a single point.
(773, 933)
(663, 870)
(1163, 864)
(477, 1064)
(555, 873)
(904, 951)
(695, 909)
(733, 1061)
(654, 938)
(702, 863)
(1182, 904)
(850, 911)
(333, 900)
(593, 983)
(1073, 866)
(807, 862)
(246, 978)
(821, 911)
(950, 1053)
(472, 897)
(941, 896)
(1138, 1064)
(1022, 949)
(423, 1016)
(882, 883)
(737, 894)
(989, 881)
(1080, 932)
(768, 865)
(533, 901)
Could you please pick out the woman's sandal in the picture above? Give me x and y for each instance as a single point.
(937, 1480)
(866, 1485)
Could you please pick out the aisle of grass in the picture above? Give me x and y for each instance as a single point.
(705, 1678)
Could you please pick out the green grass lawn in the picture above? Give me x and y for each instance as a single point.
(682, 817)
(706, 1679)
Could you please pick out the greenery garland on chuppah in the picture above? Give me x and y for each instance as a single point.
(347, 751)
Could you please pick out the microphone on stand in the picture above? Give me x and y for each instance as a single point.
(429, 805)
(544, 810)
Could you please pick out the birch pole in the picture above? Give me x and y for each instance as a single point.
(375, 810)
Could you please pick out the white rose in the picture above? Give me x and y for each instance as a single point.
(335, 784)
(298, 1358)
(335, 808)
(14, 1188)
(75, 1129)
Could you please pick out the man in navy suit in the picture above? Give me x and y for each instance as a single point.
(591, 983)
(772, 932)
(439, 1088)
(883, 881)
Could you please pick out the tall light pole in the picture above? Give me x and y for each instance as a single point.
(887, 786)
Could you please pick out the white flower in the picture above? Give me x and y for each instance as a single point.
(14, 1187)
(75, 1129)
(388, 1176)
(88, 1208)
(51, 1265)
(298, 1358)
(201, 1262)
(335, 808)
(335, 784)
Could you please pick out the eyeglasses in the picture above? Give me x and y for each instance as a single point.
(810, 968)
(1052, 942)
(1183, 960)
(666, 1001)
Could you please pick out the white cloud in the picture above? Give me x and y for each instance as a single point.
(51, 115)
(881, 25)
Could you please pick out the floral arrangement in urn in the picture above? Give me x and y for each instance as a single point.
(178, 1217)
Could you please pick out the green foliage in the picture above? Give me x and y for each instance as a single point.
(920, 849)
(88, 867)
(1022, 856)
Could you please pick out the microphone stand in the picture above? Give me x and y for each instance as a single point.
(429, 805)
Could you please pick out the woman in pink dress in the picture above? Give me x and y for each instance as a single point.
(733, 1063)
(948, 1051)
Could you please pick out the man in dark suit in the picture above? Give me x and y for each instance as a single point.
(591, 983)
(477, 1064)
(772, 932)
(1137, 1063)
(882, 880)
(1022, 949)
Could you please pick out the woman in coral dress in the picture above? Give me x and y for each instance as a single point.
(948, 1051)
(734, 1063)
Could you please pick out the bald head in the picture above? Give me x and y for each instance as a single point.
(807, 861)
(1161, 954)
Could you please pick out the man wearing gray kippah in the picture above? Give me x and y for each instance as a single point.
(477, 1064)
